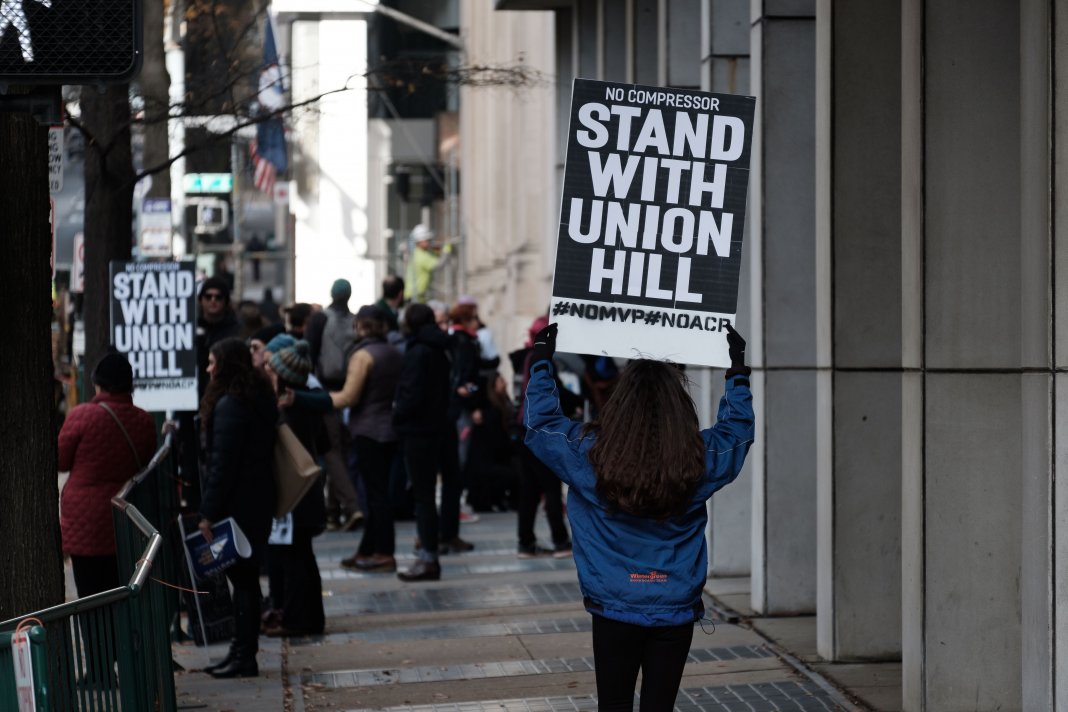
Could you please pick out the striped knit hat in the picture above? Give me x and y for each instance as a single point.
(293, 363)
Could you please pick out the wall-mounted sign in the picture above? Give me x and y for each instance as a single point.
(208, 183)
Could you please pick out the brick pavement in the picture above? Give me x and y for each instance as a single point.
(496, 633)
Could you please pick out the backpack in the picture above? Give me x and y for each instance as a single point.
(338, 340)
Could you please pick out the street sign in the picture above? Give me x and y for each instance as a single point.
(70, 41)
(208, 183)
(55, 159)
(156, 227)
(281, 192)
(52, 227)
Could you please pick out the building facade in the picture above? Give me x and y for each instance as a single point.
(902, 298)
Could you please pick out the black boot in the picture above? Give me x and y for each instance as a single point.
(230, 655)
(243, 665)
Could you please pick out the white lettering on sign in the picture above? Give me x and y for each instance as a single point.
(55, 157)
(153, 322)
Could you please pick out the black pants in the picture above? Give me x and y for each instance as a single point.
(621, 649)
(537, 480)
(93, 574)
(296, 586)
(422, 457)
(245, 578)
(452, 486)
(376, 462)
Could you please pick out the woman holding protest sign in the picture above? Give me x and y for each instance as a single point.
(239, 419)
(639, 478)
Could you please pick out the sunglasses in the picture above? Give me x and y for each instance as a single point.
(213, 297)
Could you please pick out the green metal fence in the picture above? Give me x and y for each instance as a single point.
(111, 651)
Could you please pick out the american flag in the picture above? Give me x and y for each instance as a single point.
(264, 172)
(268, 149)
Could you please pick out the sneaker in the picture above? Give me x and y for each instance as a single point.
(533, 551)
(353, 522)
(562, 552)
(468, 517)
(456, 545)
(421, 571)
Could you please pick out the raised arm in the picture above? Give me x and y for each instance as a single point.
(728, 441)
(553, 437)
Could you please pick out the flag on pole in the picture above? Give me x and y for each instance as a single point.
(268, 149)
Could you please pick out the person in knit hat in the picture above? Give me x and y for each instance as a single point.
(296, 591)
(277, 343)
(291, 363)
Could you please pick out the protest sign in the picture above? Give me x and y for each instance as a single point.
(651, 222)
(153, 322)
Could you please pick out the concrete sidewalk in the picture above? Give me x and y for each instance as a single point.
(495, 633)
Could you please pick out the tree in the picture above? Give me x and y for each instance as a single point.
(109, 184)
(29, 498)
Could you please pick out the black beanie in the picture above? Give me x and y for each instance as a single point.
(114, 374)
(215, 283)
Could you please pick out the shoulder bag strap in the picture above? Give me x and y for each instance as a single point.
(129, 440)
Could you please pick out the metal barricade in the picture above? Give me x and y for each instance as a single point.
(112, 651)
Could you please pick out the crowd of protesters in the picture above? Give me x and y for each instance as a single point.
(402, 404)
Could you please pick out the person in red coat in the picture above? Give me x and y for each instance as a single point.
(101, 455)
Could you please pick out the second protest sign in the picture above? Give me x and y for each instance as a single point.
(153, 323)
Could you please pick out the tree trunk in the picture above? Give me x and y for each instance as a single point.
(29, 496)
(108, 206)
(155, 85)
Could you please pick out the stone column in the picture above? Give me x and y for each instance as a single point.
(962, 442)
(859, 230)
(784, 306)
(1044, 344)
(725, 70)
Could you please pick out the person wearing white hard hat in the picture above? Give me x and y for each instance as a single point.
(423, 260)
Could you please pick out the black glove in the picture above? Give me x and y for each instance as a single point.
(544, 344)
(736, 349)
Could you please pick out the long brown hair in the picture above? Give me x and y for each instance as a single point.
(234, 376)
(648, 455)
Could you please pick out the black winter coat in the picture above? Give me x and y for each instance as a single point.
(239, 477)
(465, 372)
(422, 403)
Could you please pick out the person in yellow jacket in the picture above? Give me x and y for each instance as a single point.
(423, 261)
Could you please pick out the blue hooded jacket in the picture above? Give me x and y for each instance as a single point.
(636, 569)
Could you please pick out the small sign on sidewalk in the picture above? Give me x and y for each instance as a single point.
(20, 658)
